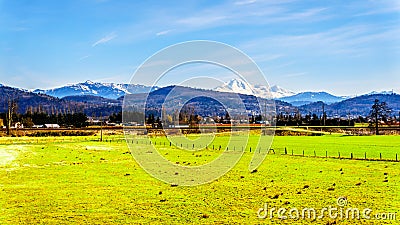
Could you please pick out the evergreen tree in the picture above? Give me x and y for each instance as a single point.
(380, 111)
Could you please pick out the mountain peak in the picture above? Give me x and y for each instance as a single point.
(240, 86)
(89, 82)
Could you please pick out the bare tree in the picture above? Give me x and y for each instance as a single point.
(11, 109)
(380, 111)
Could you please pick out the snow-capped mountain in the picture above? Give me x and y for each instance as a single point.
(382, 92)
(236, 86)
(242, 87)
(309, 97)
(105, 90)
(279, 92)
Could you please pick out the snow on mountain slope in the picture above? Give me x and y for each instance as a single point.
(239, 86)
(236, 86)
(382, 92)
(279, 92)
(105, 90)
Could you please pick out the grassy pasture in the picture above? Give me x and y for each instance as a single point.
(79, 180)
(328, 145)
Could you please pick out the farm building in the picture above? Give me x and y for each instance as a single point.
(51, 125)
(18, 125)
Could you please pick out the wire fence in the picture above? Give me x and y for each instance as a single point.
(346, 154)
(286, 151)
(366, 155)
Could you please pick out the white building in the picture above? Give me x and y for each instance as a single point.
(51, 125)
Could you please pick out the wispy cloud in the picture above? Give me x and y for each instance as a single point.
(84, 57)
(267, 57)
(202, 20)
(245, 2)
(253, 13)
(105, 39)
(295, 74)
(164, 32)
(380, 7)
(351, 40)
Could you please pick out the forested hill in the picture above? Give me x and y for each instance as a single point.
(360, 105)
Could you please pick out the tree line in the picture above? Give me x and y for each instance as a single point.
(380, 113)
(39, 118)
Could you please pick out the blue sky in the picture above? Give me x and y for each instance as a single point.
(343, 47)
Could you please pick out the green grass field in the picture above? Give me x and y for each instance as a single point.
(79, 180)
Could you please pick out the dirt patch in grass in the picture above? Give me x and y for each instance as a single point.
(10, 153)
(6, 156)
(98, 148)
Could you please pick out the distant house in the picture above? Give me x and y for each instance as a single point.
(51, 125)
(18, 125)
(178, 126)
(37, 126)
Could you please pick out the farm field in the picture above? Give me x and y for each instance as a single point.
(80, 180)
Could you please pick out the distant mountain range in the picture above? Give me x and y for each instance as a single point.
(98, 98)
(114, 91)
(357, 106)
(34, 102)
(105, 90)
(310, 97)
(382, 92)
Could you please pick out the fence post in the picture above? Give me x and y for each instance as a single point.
(250, 149)
(315, 154)
(326, 154)
(339, 155)
(365, 155)
(351, 155)
(303, 152)
(380, 155)
(292, 151)
(396, 157)
(285, 151)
